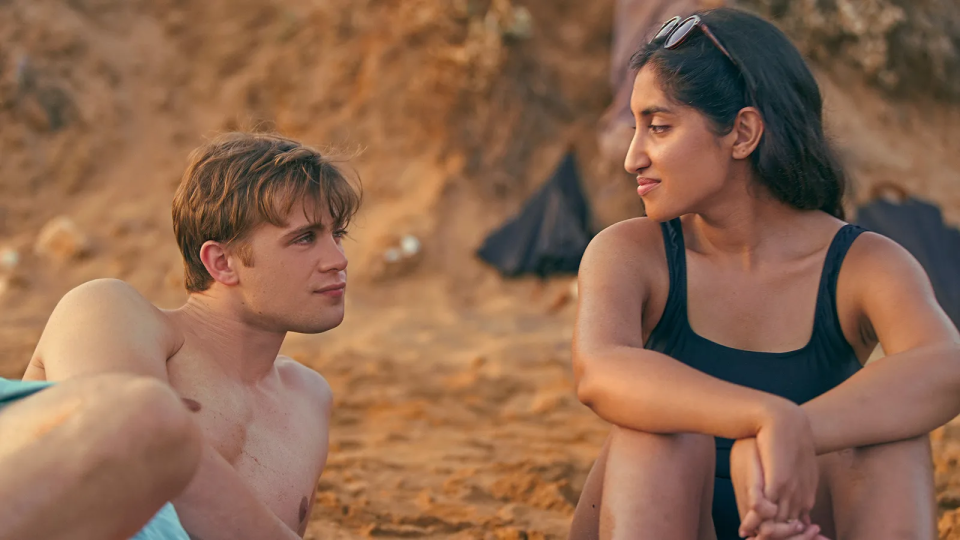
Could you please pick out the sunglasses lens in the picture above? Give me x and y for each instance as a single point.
(667, 28)
(680, 34)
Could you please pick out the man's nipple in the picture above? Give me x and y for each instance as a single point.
(191, 404)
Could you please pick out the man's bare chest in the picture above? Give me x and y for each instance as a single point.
(271, 440)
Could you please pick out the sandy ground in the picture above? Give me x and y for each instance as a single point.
(455, 412)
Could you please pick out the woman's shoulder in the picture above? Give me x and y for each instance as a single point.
(632, 241)
(635, 233)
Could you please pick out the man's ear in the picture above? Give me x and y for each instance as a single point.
(748, 127)
(218, 263)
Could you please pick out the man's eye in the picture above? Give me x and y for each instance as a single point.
(305, 239)
(658, 129)
(340, 233)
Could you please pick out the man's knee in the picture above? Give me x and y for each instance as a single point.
(155, 418)
(140, 422)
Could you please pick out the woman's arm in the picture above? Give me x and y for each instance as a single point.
(640, 389)
(916, 387)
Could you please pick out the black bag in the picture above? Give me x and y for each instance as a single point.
(918, 226)
(550, 233)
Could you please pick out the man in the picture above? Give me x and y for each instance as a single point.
(259, 221)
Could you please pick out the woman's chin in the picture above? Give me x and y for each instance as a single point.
(656, 213)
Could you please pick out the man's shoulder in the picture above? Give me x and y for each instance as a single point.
(105, 325)
(311, 384)
(113, 297)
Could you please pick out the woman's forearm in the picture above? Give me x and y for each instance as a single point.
(647, 391)
(898, 397)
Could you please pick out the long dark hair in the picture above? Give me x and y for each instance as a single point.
(794, 159)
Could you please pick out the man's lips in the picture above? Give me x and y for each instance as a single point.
(336, 288)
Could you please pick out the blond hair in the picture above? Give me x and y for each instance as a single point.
(239, 181)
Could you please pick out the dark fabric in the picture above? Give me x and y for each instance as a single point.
(550, 233)
(918, 226)
(801, 375)
(726, 519)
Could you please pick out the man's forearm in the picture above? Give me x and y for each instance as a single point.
(898, 397)
(218, 505)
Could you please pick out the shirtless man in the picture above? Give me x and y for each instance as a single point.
(259, 221)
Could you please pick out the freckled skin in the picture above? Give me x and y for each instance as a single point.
(191, 404)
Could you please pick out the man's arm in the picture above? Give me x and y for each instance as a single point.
(916, 387)
(319, 395)
(105, 326)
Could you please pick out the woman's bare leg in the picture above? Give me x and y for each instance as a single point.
(882, 492)
(586, 518)
(648, 486)
(93, 458)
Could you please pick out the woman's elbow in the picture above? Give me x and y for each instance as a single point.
(585, 375)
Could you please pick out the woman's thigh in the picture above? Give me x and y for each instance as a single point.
(648, 486)
(878, 492)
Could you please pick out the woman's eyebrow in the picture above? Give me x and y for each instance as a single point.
(650, 111)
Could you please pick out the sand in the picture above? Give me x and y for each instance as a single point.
(455, 410)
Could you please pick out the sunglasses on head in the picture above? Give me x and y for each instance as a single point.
(675, 32)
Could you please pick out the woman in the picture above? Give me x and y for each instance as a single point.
(723, 336)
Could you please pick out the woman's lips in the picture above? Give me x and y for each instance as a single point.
(646, 185)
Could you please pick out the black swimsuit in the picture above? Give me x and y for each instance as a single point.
(823, 363)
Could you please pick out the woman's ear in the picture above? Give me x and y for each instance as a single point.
(218, 263)
(748, 127)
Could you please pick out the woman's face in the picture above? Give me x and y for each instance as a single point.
(680, 163)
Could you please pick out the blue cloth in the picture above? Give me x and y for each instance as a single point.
(165, 525)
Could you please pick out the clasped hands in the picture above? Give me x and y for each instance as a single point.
(775, 479)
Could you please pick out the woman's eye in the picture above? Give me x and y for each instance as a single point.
(340, 233)
(658, 129)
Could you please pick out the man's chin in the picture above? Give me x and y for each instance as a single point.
(318, 327)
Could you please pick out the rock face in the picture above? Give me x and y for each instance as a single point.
(61, 240)
(907, 47)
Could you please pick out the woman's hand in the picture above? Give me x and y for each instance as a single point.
(758, 514)
(788, 461)
(747, 477)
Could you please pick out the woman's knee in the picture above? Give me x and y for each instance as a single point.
(913, 454)
(681, 455)
(883, 490)
(680, 446)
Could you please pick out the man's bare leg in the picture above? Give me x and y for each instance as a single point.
(648, 486)
(93, 458)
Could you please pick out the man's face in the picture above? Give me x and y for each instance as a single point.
(298, 276)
